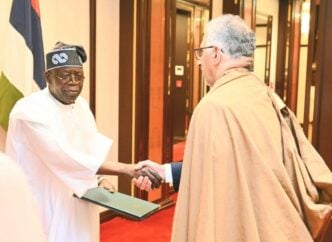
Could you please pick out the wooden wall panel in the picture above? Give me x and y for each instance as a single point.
(281, 49)
(294, 55)
(125, 89)
(322, 132)
(156, 80)
(157, 49)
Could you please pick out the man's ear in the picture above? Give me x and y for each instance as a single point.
(47, 76)
(216, 55)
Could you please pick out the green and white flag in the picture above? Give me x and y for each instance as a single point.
(21, 55)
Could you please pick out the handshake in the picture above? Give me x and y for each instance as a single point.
(148, 175)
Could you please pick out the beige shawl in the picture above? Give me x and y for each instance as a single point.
(242, 178)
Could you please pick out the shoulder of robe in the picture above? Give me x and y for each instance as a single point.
(34, 107)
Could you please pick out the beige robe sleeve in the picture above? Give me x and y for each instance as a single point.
(312, 179)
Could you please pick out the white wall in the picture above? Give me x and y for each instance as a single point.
(107, 68)
(67, 21)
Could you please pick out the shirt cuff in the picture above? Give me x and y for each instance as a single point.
(168, 173)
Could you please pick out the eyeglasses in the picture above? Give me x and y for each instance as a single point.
(199, 51)
(67, 77)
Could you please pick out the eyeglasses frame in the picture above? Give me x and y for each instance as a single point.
(70, 77)
(198, 57)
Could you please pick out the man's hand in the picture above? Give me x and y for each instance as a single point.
(143, 182)
(105, 183)
(148, 174)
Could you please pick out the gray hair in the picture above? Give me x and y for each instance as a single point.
(232, 34)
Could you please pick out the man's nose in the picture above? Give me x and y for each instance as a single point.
(74, 79)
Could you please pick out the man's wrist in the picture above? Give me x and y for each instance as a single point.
(129, 170)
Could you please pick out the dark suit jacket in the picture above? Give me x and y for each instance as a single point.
(176, 173)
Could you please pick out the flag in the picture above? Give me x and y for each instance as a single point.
(9, 94)
(25, 18)
(21, 54)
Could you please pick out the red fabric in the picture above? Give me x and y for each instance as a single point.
(35, 5)
(157, 227)
(178, 150)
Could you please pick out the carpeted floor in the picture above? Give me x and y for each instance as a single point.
(156, 228)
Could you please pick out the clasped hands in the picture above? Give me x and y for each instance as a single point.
(148, 175)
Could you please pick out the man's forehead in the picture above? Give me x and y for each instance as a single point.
(67, 69)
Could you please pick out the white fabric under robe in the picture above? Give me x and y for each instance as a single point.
(19, 220)
(60, 150)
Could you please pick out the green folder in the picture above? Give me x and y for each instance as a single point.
(123, 204)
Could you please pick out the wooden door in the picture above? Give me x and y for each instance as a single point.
(182, 74)
(322, 122)
(244, 8)
(288, 51)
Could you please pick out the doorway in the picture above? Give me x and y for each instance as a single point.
(187, 84)
(182, 75)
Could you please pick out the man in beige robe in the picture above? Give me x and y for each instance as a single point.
(243, 179)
